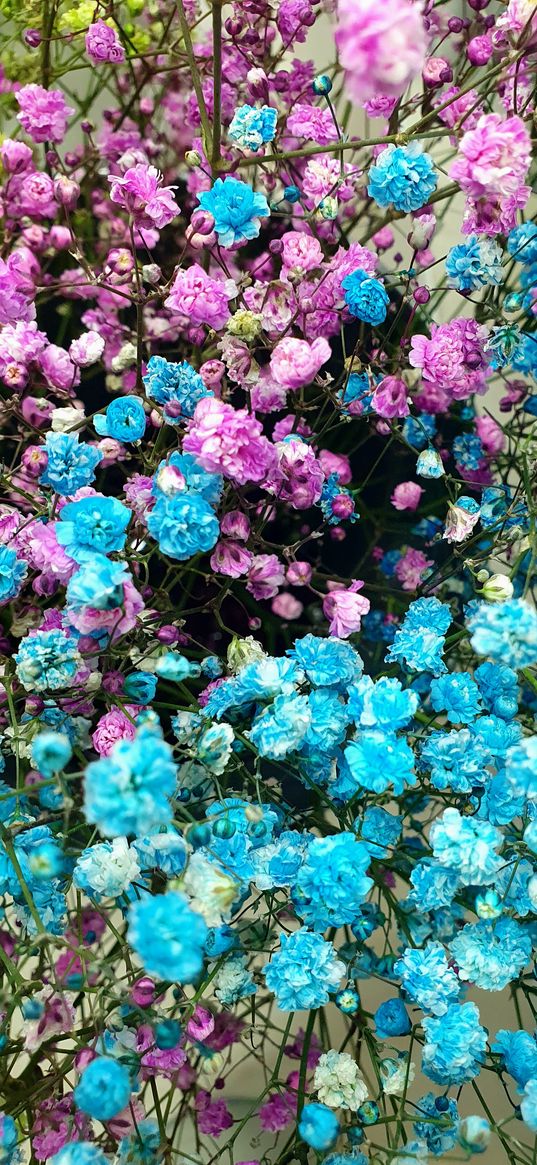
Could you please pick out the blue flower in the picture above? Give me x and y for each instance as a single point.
(468, 450)
(522, 243)
(392, 1019)
(278, 862)
(8, 1139)
(458, 696)
(236, 209)
(528, 1105)
(506, 632)
(498, 685)
(491, 954)
(427, 979)
(140, 687)
(474, 264)
(47, 661)
(384, 704)
(366, 297)
(332, 881)
(280, 728)
(161, 851)
(419, 641)
(129, 791)
(70, 465)
(234, 981)
(327, 662)
(318, 1126)
(521, 769)
(379, 829)
(140, 1148)
(196, 479)
(79, 1153)
(99, 584)
(92, 524)
(177, 387)
(12, 574)
(303, 972)
(402, 176)
(104, 1088)
(168, 937)
(378, 759)
(419, 430)
(455, 1045)
(51, 752)
(124, 420)
(434, 885)
(439, 1131)
(467, 845)
(519, 1054)
(251, 128)
(456, 760)
(183, 525)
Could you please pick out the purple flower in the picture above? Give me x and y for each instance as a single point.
(43, 113)
(102, 43)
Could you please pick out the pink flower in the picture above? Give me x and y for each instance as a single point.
(297, 476)
(390, 398)
(278, 1111)
(299, 574)
(311, 123)
(57, 1017)
(111, 727)
(117, 621)
(103, 44)
(236, 525)
(57, 1123)
(337, 463)
(344, 609)
(381, 46)
(230, 558)
(459, 523)
(87, 349)
(412, 568)
(228, 441)
(493, 158)
(286, 606)
(295, 362)
(15, 305)
(406, 495)
(201, 1024)
(200, 298)
(492, 436)
(213, 1116)
(301, 253)
(453, 359)
(16, 156)
(58, 368)
(265, 575)
(43, 113)
(140, 191)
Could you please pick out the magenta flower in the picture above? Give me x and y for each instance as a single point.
(200, 299)
(345, 609)
(228, 441)
(103, 44)
(140, 191)
(295, 362)
(44, 113)
(381, 46)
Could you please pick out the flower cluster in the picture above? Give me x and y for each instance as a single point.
(268, 581)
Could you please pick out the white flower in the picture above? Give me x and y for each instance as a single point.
(66, 419)
(211, 891)
(338, 1081)
(108, 869)
(397, 1074)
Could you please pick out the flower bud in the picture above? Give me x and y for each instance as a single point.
(498, 588)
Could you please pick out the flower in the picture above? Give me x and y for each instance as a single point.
(129, 790)
(392, 1019)
(402, 176)
(380, 48)
(103, 44)
(294, 363)
(506, 632)
(12, 574)
(177, 387)
(251, 128)
(92, 524)
(124, 420)
(236, 209)
(318, 1126)
(168, 937)
(140, 191)
(200, 298)
(43, 113)
(419, 641)
(427, 979)
(104, 1088)
(455, 1045)
(365, 297)
(332, 881)
(338, 1082)
(303, 972)
(228, 441)
(345, 609)
(491, 955)
(47, 661)
(70, 464)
